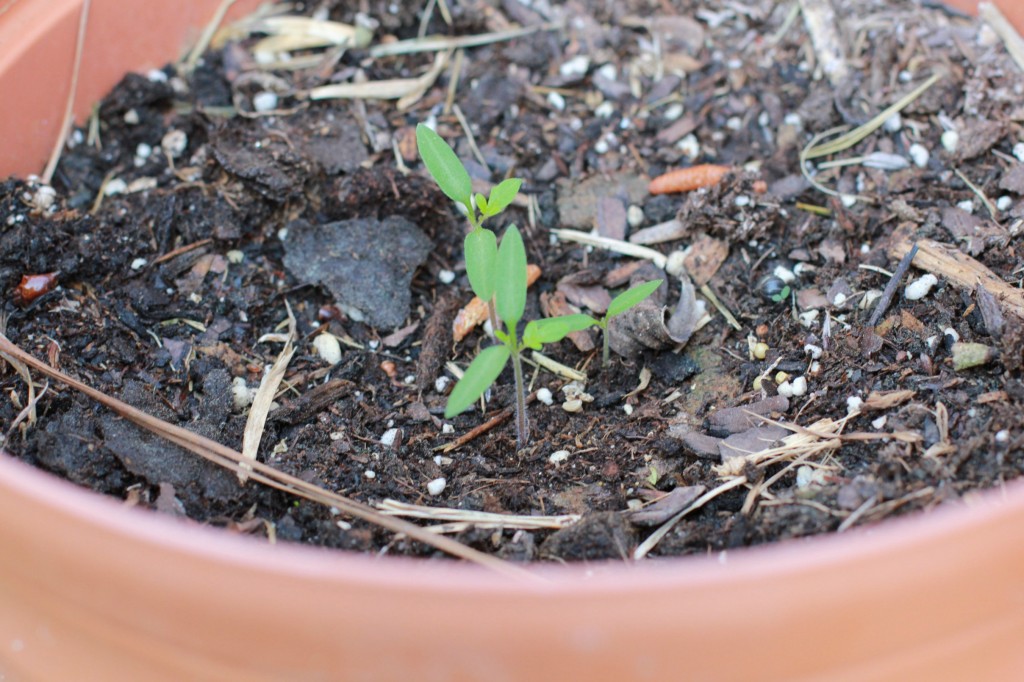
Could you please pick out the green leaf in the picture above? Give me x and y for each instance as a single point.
(444, 165)
(481, 248)
(481, 204)
(510, 278)
(480, 374)
(629, 298)
(503, 194)
(539, 332)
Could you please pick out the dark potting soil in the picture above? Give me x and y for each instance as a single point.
(186, 221)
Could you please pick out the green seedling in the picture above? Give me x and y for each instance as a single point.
(620, 304)
(481, 246)
(510, 302)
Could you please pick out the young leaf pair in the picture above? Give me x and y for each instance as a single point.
(481, 246)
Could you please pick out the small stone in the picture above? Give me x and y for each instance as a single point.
(241, 394)
(853, 404)
(441, 384)
(446, 277)
(1004, 203)
(1002, 436)
(950, 140)
(813, 350)
(131, 117)
(920, 287)
(799, 386)
(1018, 151)
(689, 146)
(115, 187)
(848, 200)
(544, 395)
(604, 110)
(389, 437)
(139, 263)
(575, 67)
(556, 101)
(879, 422)
(673, 111)
(436, 486)
(894, 123)
(919, 155)
(966, 205)
(370, 474)
(263, 102)
(447, 428)
(235, 256)
(558, 456)
(628, 409)
(635, 216)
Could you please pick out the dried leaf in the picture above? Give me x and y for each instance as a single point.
(883, 400)
(475, 312)
(668, 506)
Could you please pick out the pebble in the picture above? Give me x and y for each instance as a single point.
(853, 404)
(263, 102)
(894, 123)
(131, 117)
(950, 140)
(241, 393)
(920, 155)
(920, 287)
(1018, 151)
(1002, 436)
(544, 395)
(966, 205)
(879, 422)
(784, 273)
(574, 405)
(1004, 202)
(389, 437)
(446, 276)
(635, 216)
(558, 456)
(235, 256)
(437, 486)
(689, 146)
(447, 428)
(328, 348)
(604, 110)
(813, 350)
(556, 101)
(370, 474)
(139, 263)
(115, 187)
(673, 111)
(441, 383)
(575, 67)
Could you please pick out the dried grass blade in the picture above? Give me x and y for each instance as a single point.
(857, 134)
(652, 541)
(476, 518)
(443, 43)
(264, 398)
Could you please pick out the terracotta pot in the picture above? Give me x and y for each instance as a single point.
(90, 590)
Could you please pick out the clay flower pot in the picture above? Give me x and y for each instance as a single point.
(90, 590)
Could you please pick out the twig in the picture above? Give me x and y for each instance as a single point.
(557, 368)
(616, 245)
(992, 210)
(440, 43)
(495, 421)
(69, 109)
(892, 286)
(224, 456)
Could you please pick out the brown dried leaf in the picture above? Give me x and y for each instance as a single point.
(704, 257)
(475, 312)
(555, 305)
(668, 506)
(883, 400)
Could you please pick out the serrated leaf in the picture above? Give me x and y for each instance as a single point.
(480, 374)
(503, 194)
(481, 204)
(444, 166)
(539, 332)
(510, 278)
(629, 298)
(481, 247)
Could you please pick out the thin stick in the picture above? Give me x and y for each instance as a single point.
(230, 459)
(1005, 30)
(438, 43)
(726, 313)
(892, 286)
(69, 108)
(476, 518)
(495, 421)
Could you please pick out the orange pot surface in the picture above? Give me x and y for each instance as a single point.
(90, 590)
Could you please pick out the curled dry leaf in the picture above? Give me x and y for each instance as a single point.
(647, 324)
(475, 312)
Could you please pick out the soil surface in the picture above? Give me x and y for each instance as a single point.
(193, 210)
